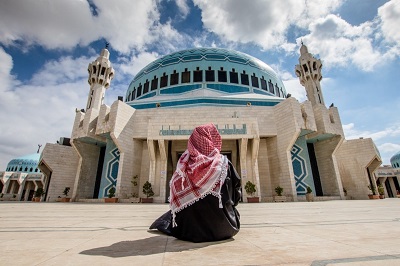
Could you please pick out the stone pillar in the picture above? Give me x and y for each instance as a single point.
(243, 161)
(163, 167)
(255, 145)
(152, 153)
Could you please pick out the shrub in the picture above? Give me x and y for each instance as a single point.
(279, 190)
(147, 189)
(250, 188)
(111, 192)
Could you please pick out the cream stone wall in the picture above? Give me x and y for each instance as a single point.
(86, 171)
(354, 157)
(288, 130)
(62, 161)
(328, 171)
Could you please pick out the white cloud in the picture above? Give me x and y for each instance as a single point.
(352, 132)
(6, 64)
(183, 7)
(260, 21)
(386, 149)
(389, 14)
(125, 24)
(340, 43)
(135, 63)
(25, 117)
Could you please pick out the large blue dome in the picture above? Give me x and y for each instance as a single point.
(25, 164)
(395, 160)
(205, 76)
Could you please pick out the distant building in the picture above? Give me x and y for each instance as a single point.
(21, 178)
(271, 138)
(389, 177)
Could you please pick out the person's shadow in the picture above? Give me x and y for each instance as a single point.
(147, 246)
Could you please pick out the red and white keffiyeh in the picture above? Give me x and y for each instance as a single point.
(200, 171)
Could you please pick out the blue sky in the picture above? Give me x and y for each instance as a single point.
(46, 46)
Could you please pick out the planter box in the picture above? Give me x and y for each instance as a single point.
(110, 200)
(373, 196)
(309, 197)
(381, 196)
(65, 199)
(280, 198)
(35, 199)
(253, 199)
(146, 200)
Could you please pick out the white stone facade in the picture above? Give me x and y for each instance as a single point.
(289, 144)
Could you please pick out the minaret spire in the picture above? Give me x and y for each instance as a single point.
(100, 75)
(309, 72)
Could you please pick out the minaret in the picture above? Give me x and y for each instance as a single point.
(100, 75)
(309, 72)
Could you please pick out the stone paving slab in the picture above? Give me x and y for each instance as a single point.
(335, 233)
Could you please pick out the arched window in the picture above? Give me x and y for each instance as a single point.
(164, 81)
(210, 74)
(185, 78)
(139, 90)
(233, 76)
(154, 83)
(254, 81)
(263, 84)
(198, 75)
(244, 78)
(146, 87)
(222, 75)
(174, 78)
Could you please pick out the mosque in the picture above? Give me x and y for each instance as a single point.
(270, 137)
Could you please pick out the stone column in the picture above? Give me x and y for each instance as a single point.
(163, 168)
(152, 153)
(243, 161)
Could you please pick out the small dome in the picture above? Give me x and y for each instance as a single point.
(395, 160)
(26, 164)
(206, 76)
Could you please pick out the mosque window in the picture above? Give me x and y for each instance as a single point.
(103, 70)
(146, 87)
(263, 84)
(26, 169)
(129, 96)
(222, 75)
(233, 76)
(305, 68)
(164, 81)
(174, 78)
(31, 169)
(20, 168)
(139, 90)
(94, 69)
(210, 74)
(133, 94)
(244, 78)
(185, 76)
(198, 75)
(315, 65)
(277, 90)
(36, 170)
(254, 81)
(271, 87)
(154, 83)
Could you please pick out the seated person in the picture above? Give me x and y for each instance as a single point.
(204, 191)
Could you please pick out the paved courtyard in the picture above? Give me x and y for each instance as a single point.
(302, 233)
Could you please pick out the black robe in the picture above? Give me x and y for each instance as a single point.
(204, 221)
